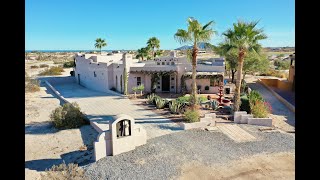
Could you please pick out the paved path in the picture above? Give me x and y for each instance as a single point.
(236, 133)
(283, 118)
(100, 106)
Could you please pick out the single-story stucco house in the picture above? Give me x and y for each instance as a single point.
(163, 74)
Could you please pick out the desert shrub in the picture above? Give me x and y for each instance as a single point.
(191, 116)
(202, 99)
(64, 172)
(261, 109)
(275, 73)
(32, 85)
(282, 64)
(183, 99)
(44, 65)
(34, 67)
(160, 103)
(68, 116)
(245, 105)
(52, 71)
(68, 64)
(175, 106)
(57, 62)
(253, 97)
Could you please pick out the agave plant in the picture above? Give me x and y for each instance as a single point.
(151, 98)
(175, 106)
(214, 105)
(160, 103)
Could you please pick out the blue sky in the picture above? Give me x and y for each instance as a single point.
(128, 24)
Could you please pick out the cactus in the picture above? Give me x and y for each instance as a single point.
(151, 98)
(175, 106)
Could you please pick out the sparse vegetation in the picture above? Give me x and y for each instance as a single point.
(31, 85)
(44, 65)
(34, 67)
(191, 116)
(261, 109)
(52, 71)
(68, 64)
(68, 116)
(64, 172)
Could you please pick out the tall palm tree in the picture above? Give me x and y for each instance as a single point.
(100, 43)
(194, 34)
(244, 37)
(153, 43)
(142, 53)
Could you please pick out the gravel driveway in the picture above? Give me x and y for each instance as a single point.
(162, 157)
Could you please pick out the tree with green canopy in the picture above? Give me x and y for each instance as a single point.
(100, 43)
(194, 34)
(245, 37)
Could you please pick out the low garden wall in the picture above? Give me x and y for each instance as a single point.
(266, 84)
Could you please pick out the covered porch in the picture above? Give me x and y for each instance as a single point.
(156, 81)
(207, 82)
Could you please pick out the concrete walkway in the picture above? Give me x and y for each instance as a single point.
(283, 118)
(99, 107)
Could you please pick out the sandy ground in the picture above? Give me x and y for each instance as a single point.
(267, 166)
(45, 145)
(35, 72)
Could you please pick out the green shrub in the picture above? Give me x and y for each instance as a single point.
(68, 64)
(160, 103)
(202, 99)
(34, 67)
(191, 116)
(253, 97)
(64, 172)
(68, 116)
(245, 106)
(52, 71)
(261, 109)
(44, 65)
(175, 106)
(183, 99)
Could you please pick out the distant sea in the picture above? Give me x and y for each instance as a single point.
(72, 50)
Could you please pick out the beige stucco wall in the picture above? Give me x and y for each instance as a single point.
(291, 74)
(202, 83)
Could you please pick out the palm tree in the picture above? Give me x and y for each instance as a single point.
(245, 38)
(100, 43)
(194, 34)
(142, 53)
(153, 43)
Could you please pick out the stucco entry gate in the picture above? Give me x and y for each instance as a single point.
(123, 135)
